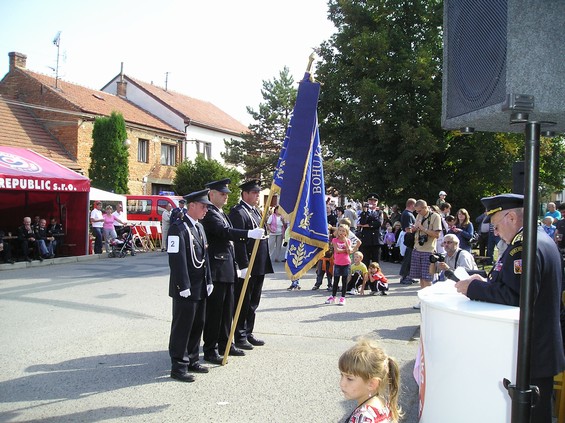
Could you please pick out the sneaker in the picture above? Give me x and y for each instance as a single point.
(353, 291)
(416, 307)
(383, 293)
(315, 287)
(406, 281)
(329, 288)
(373, 292)
(297, 287)
(342, 301)
(330, 300)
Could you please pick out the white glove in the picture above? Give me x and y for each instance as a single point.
(210, 288)
(185, 293)
(256, 233)
(238, 273)
(243, 272)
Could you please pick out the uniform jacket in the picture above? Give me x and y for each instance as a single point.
(503, 287)
(372, 235)
(184, 274)
(221, 236)
(243, 217)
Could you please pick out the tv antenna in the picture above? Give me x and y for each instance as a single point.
(57, 42)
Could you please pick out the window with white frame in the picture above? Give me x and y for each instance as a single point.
(142, 150)
(204, 148)
(168, 154)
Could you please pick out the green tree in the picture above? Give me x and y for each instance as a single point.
(259, 151)
(109, 155)
(380, 108)
(192, 176)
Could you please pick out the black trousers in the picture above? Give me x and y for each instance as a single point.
(246, 321)
(219, 317)
(405, 266)
(371, 253)
(186, 330)
(542, 412)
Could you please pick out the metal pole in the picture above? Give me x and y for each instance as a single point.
(246, 279)
(522, 394)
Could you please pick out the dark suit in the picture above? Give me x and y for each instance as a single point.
(24, 236)
(371, 237)
(220, 304)
(503, 287)
(244, 217)
(187, 272)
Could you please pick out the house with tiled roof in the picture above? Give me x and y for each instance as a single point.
(205, 125)
(20, 128)
(67, 112)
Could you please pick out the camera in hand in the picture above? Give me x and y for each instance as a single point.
(422, 239)
(434, 258)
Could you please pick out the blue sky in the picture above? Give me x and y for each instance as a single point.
(218, 51)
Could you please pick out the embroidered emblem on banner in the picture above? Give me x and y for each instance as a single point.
(517, 267)
(11, 161)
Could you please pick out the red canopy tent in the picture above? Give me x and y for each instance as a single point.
(32, 185)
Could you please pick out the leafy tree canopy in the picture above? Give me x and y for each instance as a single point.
(109, 155)
(192, 176)
(380, 110)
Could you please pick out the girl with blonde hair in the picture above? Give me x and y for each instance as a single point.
(372, 378)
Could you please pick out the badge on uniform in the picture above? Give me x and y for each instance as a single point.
(518, 267)
(173, 244)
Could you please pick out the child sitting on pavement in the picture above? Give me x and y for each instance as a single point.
(359, 273)
(377, 281)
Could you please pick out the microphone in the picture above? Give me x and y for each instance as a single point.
(450, 275)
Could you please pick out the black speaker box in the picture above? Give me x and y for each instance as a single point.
(502, 56)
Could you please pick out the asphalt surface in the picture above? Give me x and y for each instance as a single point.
(86, 341)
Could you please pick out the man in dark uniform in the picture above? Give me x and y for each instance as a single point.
(177, 212)
(505, 212)
(246, 216)
(370, 222)
(189, 285)
(220, 304)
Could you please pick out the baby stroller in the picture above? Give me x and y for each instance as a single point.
(121, 245)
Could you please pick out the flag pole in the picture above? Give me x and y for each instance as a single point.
(246, 279)
(273, 189)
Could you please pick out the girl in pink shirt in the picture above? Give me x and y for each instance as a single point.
(342, 263)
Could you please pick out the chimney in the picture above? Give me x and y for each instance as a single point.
(122, 86)
(17, 60)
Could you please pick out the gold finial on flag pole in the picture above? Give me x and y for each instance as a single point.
(310, 61)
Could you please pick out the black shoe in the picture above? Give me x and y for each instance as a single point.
(197, 368)
(40, 258)
(254, 341)
(28, 260)
(315, 287)
(236, 352)
(213, 358)
(11, 261)
(244, 345)
(183, 377)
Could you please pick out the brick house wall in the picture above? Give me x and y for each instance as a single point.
(73, 129)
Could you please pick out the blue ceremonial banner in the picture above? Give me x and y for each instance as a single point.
(299, 180)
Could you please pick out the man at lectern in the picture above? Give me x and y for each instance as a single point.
(506, 214)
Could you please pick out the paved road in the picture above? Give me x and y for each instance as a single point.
(87, 341)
